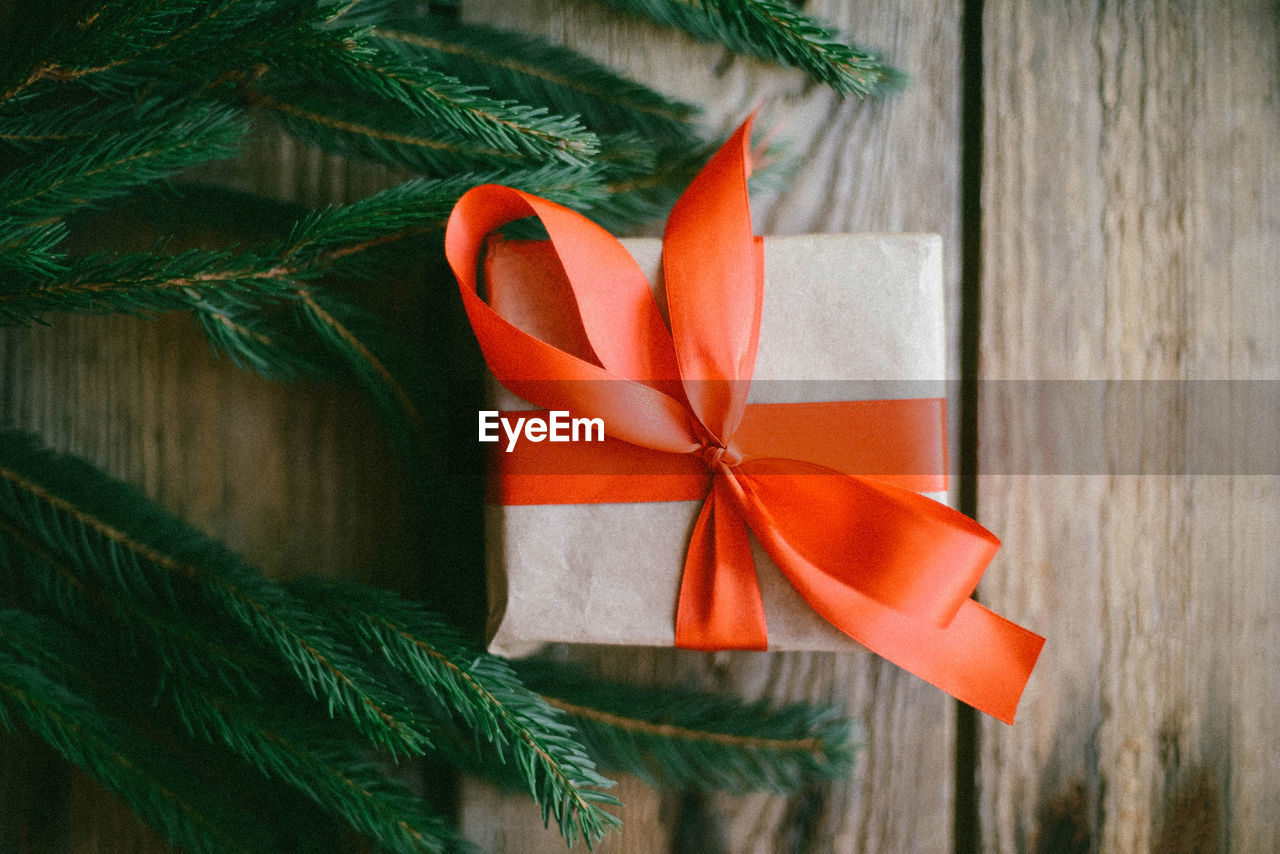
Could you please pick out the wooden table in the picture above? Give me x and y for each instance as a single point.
(1106, 183)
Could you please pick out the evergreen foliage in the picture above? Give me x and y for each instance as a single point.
(694, 740)
(232, 712)
(50, 686)
(774, 31)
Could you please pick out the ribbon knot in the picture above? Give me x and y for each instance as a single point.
(888, 567)
(716, 455)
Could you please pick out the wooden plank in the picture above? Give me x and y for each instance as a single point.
(862, 167)
(1129, 231)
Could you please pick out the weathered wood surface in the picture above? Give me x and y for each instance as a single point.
(862, 167)
(1130, 231)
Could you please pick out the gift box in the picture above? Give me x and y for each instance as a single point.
(842, 315)
(707, 467)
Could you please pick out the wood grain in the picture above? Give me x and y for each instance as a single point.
(870, 166)
(1129, 231)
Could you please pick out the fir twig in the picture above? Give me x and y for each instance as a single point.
(385, 133)
(690, 740)
(29, 252)
(539, 73)
(446, 102)
(107, 165)
(482, 692)
(269, 342)
(186, 648)
(132, 547)
(281, 737)
(772, 30)
(339, 237)
(316, 758)
(398, 406)
(150, 283)
(33, 691)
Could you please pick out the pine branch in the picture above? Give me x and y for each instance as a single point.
(479, 690)
(318, 760)
(240, 301)
(382, 133)
(117, 48)
(340, 235)
(185, 648)
(646, 193)
(771, 30)
(135, 550)
(45, 127)
(29, 252)
(538, 73)
(281, 737)
(105, 166)
(697, 741)
(152, 283)
(34, 691)
(445, 102)
(270, 342)
(401, 412)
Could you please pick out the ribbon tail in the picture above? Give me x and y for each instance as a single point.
(980, 658)
(720, 606)
(916, 613)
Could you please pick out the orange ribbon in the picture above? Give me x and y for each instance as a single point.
(888, 567)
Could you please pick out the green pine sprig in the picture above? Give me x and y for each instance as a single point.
(135, 550)
(695, 740)
(150, 283)
(534, 133)
(536, 72)
(224, 691)
(773, 31)
(29, 252)
(36, 691)
(108, 165)
(322, 762)
(480, 692)
(178, 646)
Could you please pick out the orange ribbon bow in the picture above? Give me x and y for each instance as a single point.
(891, 568)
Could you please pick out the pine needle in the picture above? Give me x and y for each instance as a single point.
(773, 31)
(149, 283)
(481, 692)
(697, 741)
(33, 691)
(535, 72)
(134, 549)
(504, 125)
(383, 133)
(318, 759)
(105, 166)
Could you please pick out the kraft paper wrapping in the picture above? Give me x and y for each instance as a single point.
(837, 309)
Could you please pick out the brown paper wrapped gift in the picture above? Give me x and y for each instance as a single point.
(841, 313)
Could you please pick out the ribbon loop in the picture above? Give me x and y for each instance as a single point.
(715, 288)
(888, 567)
